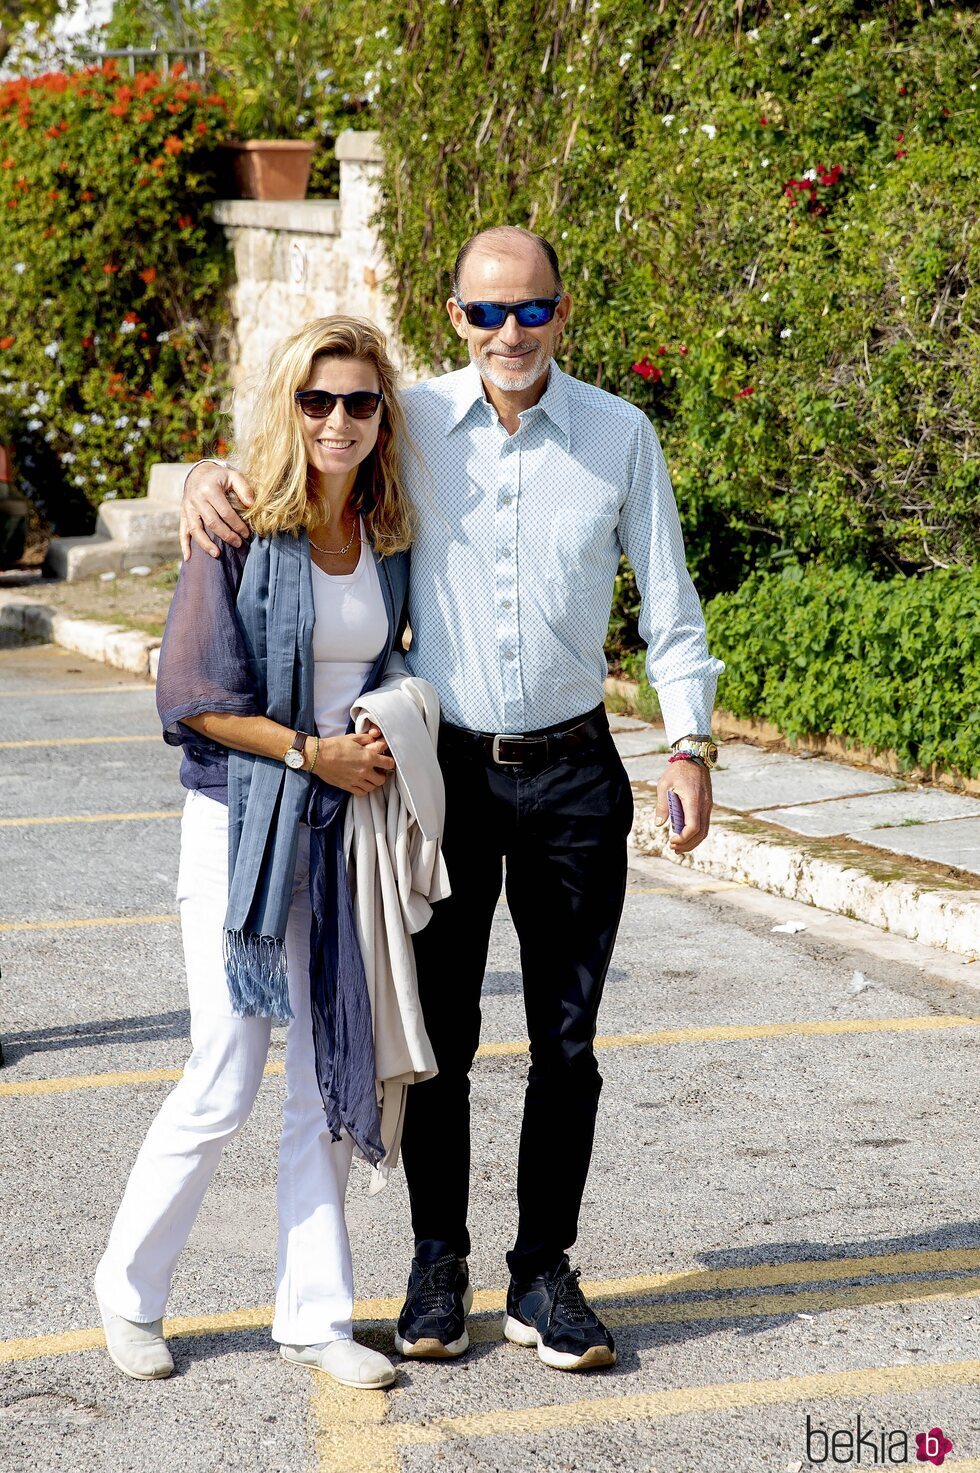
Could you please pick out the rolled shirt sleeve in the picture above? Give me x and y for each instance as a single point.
(678, 663)
(204, 661)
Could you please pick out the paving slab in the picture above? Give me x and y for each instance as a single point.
(746, 785)
(955, 842)
(908, 806)
(646, 741)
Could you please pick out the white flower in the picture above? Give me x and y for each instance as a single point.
(625, 57)
(101, 478)
(20, 267)
(78, 428)
(765, 163)
(709, 128)
(79, 480)
(425, 137)
(815, 40)
(68, 458)
(569, 68)
(144, 424)
(163, 337)
(810, 174)
(96, 419)
(787, 332)
(684, 130)
(96, 461)
(581, 86)
(872, 186)
(764, 297)
(564, 236)
(35, 424)
(121, 422)
(52, 350)
(127, 326)
(110, 495)
(380, 35)
(128, 448)
(667, 119)
(753, 35)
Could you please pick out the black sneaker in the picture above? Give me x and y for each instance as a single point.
(432, 1324)
(551, 1312)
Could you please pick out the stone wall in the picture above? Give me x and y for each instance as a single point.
(299, 259)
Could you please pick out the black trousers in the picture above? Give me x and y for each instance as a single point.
(562, 832)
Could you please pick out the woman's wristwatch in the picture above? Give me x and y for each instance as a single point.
(700, 747)
(295, 756)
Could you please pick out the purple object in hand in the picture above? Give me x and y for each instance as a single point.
(676, 812)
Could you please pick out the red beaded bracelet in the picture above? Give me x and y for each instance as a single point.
(687, 757)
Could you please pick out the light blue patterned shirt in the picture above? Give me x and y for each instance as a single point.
(518, 545)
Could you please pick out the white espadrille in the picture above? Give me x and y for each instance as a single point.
(344, 1361)
(139, 1350)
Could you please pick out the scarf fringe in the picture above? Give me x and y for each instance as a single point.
(257, 977)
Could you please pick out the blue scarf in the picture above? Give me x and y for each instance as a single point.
(267, 801)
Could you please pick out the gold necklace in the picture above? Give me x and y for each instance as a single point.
(337, 551)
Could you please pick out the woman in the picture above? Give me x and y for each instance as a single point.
(266, 649)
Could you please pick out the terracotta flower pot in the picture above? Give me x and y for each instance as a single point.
(271, 168)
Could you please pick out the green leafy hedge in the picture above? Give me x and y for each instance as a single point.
(893, 665)
(112, 282)
(771, 228)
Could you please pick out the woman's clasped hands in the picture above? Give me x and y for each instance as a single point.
(358, 762)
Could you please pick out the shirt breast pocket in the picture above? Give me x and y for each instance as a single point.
(575, 544)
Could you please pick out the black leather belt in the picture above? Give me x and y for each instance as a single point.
(531, 749)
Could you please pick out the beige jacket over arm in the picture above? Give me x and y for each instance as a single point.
(393, 843)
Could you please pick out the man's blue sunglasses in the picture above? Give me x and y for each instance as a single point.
(533, 313)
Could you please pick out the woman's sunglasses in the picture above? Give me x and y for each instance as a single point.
(534, 313)
(318, 404)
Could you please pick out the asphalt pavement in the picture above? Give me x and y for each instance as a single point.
(781, 1224)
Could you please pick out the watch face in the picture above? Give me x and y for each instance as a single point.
(711, 752)
(293, 758)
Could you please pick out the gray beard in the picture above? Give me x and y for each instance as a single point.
(515, 382)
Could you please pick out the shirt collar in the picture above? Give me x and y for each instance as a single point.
(468, 390)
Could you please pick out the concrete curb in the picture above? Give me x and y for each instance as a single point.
(126, 649)
(879, 890)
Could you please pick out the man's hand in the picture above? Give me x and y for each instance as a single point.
(691, 781)
(358, 763)
(205, 508)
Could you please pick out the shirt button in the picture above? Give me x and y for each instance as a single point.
(509, 655)
(505, 603)
(508, 501)
(505, 552)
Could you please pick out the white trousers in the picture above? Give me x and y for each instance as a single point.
(314, 1281)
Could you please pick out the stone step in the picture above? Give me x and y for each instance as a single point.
(167, 482)
(72, 558)
(139, 520)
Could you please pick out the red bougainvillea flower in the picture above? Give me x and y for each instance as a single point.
(88, 340)
(682, 348)
(184, 222)
(131, 317)
(149, 275)
(110, 268)
(200, 127)
(648, 370)
(86, 195)
(214, 99)
(903, 90)
(661, 350)
(177, 71)
(146, 116)
(764, 121)
(901, 153)
(744, 393)
(173, 144)
(119, 109)
(6, 343)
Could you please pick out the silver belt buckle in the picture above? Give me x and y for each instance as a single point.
(495, 750)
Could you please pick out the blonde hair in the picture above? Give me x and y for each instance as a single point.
(273, 453)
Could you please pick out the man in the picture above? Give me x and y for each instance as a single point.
(532, 483)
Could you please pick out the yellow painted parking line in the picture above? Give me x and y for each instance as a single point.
(14, 823)
(381, 1313)
(658, 1406)
(98, 741)
(86, 921)
(77, 690)
(349, 1432)
(512, 1048)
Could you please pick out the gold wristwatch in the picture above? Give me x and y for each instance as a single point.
(699, 746)
(295, 756)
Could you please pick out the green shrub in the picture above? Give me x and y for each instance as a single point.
(893, 665)
(112, 281)
(771, 229)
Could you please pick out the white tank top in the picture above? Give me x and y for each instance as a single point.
(348, 636)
